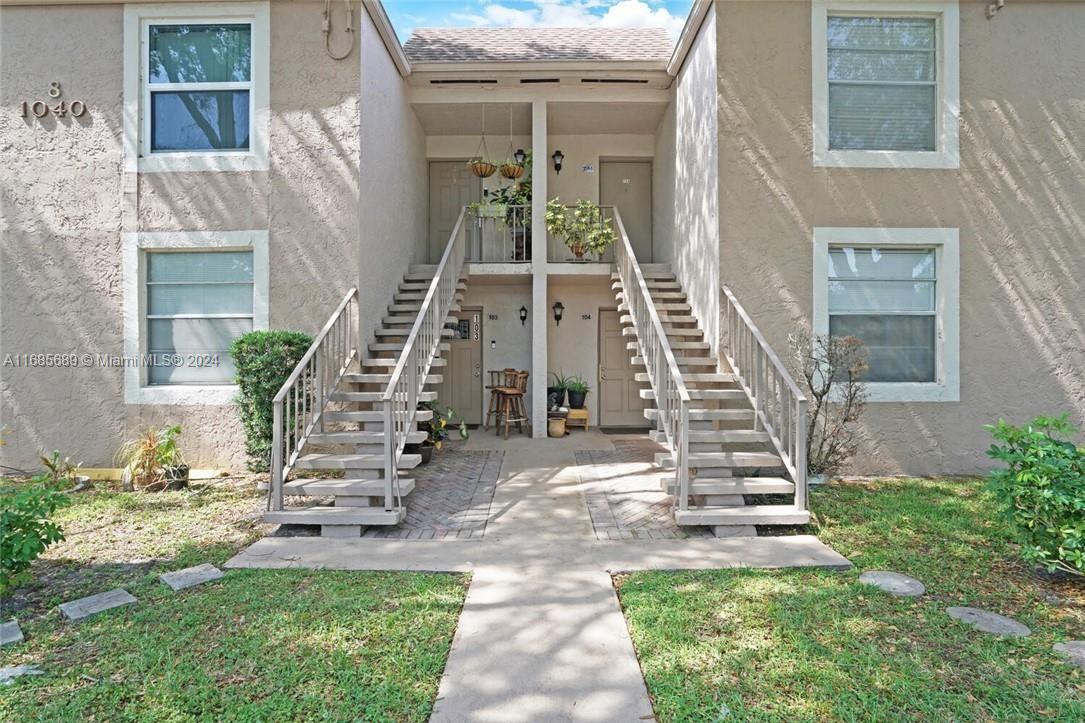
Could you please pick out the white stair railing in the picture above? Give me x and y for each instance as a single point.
(298, 408)
(779, 405)
(671, 396)
(408, 379)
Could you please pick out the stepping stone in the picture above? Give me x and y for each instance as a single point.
(989, 622)
(8, 675)
(180, 579)
(10, 633)
(893, 583)
(87, 606)
(1073, 651)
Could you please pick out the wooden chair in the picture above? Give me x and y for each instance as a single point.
(499, 379)
(512, 403)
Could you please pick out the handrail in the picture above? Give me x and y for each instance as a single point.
(400, 398)
(298, 407)
(778, 402)
(671, 396)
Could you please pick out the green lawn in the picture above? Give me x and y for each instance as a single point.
(818, 645)
(258, 645)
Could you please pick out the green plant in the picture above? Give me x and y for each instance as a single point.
(560, 380)
(60, 471)
(146, 458)
(25, 528)
(436, 427)
(583, 231)
(577, 385)
(1042, 490)
(264, 360)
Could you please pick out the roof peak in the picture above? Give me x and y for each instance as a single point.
(518, 44)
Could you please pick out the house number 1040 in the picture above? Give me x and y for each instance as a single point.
(61, 108)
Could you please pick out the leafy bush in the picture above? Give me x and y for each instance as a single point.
(1042, 490)
(25, 528)
(264, 359)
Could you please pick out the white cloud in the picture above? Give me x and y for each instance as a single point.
(575, 14)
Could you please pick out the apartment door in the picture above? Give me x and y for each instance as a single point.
(620, 404)
(451, 187)
(461, 388)
(627, 185)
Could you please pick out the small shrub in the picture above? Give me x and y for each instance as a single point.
(1042, 490)
(147, 458)
(264, 359)
(25, 527)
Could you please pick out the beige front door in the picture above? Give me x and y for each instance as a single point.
(620, 404)
(451, 187)
(627, 185)
(461, 388)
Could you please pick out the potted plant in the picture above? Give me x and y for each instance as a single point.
(153, 461)
(481, 167)
(555, 393)
(436, 429)
(584, 231)
(512, 171)
(578, 391)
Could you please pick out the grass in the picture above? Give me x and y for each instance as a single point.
(257, 645)
(801, 645)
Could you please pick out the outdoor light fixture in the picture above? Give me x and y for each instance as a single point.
(519, 156)
(523, 315)
(559, 309)
(558, 158)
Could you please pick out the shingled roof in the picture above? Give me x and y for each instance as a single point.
(469, 45)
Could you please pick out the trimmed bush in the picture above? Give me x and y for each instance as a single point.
(1042, 490)
(264, 359)
(25, 527)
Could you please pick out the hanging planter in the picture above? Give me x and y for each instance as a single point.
(481, 168)
(512, 171)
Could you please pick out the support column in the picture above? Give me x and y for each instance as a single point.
(539, 307)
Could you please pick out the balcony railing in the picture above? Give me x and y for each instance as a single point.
(498, 234)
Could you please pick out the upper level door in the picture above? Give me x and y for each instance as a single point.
(451, 187)
(628, 186)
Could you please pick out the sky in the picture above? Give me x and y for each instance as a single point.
(406, 15)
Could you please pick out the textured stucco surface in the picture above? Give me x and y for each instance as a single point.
(1017, 199)
(64, 209)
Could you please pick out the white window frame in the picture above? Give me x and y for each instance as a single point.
(947, 153)
(135, 246)
(946, 244)
(137, 91)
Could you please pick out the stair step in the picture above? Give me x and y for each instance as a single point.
(653, 284)
(412, 309)
(717, 377)
(669, 331)
(661, 307)
(689, 361)
(375, 396)
(398, 346)
(392, 361)
(343, 487)
(424, 285)
(659, 274)
(720, 394)
(704, 415)
(354, 461)
(748, 515)
(728, 436)
(336, 516)
(702, 485)
(384, 378)
(666, 317)
(723, 460)
(675, 345)
(406, 320)
(373, 415)
(359, 437)
(405, 297)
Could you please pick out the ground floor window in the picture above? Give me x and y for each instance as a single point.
(897, 291)
(187, 297)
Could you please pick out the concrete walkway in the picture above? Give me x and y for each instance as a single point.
(542, 636)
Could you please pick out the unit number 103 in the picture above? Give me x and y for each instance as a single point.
(61, 108)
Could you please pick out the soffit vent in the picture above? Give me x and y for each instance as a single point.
(464, 81)
(527, 81)
(622, 81)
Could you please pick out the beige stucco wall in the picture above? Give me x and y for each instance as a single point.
(685, 204)
(63, 208)
(1018, 199)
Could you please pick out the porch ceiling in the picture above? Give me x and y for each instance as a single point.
(567, 118)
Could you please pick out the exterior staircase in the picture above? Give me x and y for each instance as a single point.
(736, 477)
(350, 432)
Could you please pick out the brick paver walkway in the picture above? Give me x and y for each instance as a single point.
(623, 494)
(451, 498)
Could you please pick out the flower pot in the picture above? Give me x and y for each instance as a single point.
(555, 427)
(424, 450)
(555, 397)
(576, 399)
(578, 252)
(176, 477)
(482, 169)
(512, 171)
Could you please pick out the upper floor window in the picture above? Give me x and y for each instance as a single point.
(196, 87)
(885, 84)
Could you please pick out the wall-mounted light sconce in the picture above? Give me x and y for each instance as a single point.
(519, 156)
(523, 315)
(558, 158)
(559, 309)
